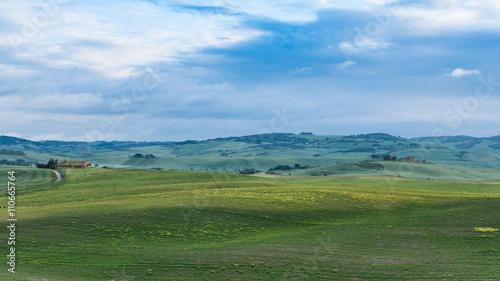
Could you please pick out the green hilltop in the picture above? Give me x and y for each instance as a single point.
(327, 154)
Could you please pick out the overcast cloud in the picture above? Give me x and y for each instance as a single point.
(174, 70)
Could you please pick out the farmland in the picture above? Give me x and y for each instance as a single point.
(416, 170)
(29, 176)
(151, 225)
(261, 152)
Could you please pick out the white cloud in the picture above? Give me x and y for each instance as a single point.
(362, 44)
(436, 17)
(345, 64)
(113, 40)
(301, 71)
(15, 70)
(459, 72)
(425, 17)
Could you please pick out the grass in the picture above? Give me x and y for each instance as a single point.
(157, 225)
(263, 152)
(416, 170)
(215, 163)
(27, 176)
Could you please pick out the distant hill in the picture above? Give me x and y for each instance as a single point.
(7, 142)
(264, 151)
(455, 150)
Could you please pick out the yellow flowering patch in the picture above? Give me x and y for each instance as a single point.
(486, 229)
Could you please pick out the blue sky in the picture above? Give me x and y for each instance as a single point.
(174, 70)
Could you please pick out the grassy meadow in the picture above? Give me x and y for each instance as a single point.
(415, 170)
(163, 225)
(261, 152)
(27, 176)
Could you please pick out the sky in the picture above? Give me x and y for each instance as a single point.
(175, 70)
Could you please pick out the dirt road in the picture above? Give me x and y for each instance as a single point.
(58, 176)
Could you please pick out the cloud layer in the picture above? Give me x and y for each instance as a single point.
(173, 70)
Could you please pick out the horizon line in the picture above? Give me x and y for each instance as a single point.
(226, 137)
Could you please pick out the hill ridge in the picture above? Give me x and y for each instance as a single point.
(264, 151)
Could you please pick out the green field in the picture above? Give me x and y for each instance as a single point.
(27, 176)
(214, 163)
(260, 152)
(162, 225)
(414, 170)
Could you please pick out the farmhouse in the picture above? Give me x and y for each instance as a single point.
(410, 158)
(76, 164)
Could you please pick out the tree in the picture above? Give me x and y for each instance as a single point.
(250, 171)
(281, 167)
(52, 164)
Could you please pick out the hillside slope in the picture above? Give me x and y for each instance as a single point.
(156, 225)
(415, 170)
(263, 151)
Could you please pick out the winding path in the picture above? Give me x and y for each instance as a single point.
(58, 176)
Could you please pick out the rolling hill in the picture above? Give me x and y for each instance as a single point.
(262, 152)
(415, 170)
(163, 225)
